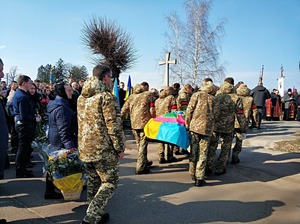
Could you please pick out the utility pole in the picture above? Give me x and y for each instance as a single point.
(167, 62)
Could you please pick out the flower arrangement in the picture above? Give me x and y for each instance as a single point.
(68, 173)
(65, 167)
(62, 163)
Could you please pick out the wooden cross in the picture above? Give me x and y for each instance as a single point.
(167, 62)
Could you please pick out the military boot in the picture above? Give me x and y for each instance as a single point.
(199, 182)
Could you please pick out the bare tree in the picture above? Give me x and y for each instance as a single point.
(175, 39)
(195, 44)
(110, 43)
(12, 73)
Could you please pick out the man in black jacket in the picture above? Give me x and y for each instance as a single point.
(25, 119)
(259, 94)
(122, 94)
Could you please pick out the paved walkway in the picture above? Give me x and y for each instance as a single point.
(263, 188)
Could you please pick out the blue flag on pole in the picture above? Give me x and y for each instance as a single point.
(116, 91)
(51, 78)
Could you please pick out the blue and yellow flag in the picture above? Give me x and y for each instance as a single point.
(129, 88)
(116, 92)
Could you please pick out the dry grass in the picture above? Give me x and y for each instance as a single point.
(289, 146)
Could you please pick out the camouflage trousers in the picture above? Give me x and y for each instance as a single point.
(260, 114)
(254, 118)
(198, 155)
(142, 145)
(226, 141)
(161, 151)
(102, 177)
(238, 146)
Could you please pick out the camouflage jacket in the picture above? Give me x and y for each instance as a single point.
(140, 105)
(183, 99)
(200, 113)
(166, 102)
(244, 93)
(229, 108)
(100, 131)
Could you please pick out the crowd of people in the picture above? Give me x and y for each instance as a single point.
(84, 116)
(212, 113)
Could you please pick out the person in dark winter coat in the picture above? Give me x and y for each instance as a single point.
(122, 94)
(3, 132)
(289, 105)
(259, 94)
(62, 129)
(62, 120)
(34, 97)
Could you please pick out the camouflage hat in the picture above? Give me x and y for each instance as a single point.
(243, 90)
(226, 88)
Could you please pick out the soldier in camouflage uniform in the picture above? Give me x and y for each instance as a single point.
(229, 105)
(243, 92)
(184, 97)
(140, 105)
(182, 102)
(199, 121)
(101, 141)
(166, 103)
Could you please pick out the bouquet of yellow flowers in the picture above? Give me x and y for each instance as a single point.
(65, 168)
(62, 163)
(68, 172)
